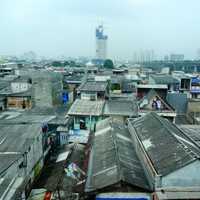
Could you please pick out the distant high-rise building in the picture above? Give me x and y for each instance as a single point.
(143, 56)
(177, 57)
(166, 58)
(198, 54)
(101, 43)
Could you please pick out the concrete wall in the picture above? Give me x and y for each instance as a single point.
(187, 176)
(89, 95)
(19, 102)
(63, 138)
(193, 106)
(20, 86)
(35, 154)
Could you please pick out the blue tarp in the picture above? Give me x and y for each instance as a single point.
(196, 80)
(65, 97)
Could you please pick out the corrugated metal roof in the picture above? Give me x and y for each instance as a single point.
(164, 79)
(86, 107)
(93, 86)
(121, 108)
(117, 159)
(167, 146)
(153, 86)
(193, 131)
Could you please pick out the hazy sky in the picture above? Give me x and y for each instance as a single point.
(67, 27)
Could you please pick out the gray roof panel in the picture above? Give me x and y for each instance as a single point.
(113, 158)
(93, 86)
(121, 108)
(165, 144)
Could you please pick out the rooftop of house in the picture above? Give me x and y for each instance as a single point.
(121, 96)
(117, 160)
(9, 78)
(151, 95)
(3, 84)
(18, 131)
(9, 92)
(13, 117)
(86, 108)
(152, 86)
(128, 86)
(121, 108)
(164, 79)
(73, 78)
(164, 143)
(15, 140)
(193, 131)
(93, 86)
(23, 79)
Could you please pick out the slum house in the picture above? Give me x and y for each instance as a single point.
(120, 71)
(116, 84)
(114, 166)
(122, 96)
(70, 83)
(153, 102)
(122, 87)
(3, 84)
(91, 69)
(86, 113)
(195, 87)
(120, 109)
(18, 94)
(128, 86)
(23, 149)
(21, 100)
(193, 111)
(93, 90)
(143, 89)
(58, 126)
(21, 84)
(172, 83)
(102, 77)
(185, 82)
(62, 131)
(170, 158)
(5, 70)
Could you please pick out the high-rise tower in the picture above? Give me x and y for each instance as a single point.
(101, 43)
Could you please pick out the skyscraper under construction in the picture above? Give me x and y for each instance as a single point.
(101, 43)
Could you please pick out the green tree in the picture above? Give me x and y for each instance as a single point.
(108, 63)
(66, 63)
(56, 64)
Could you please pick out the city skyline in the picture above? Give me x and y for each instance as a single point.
(53, 28)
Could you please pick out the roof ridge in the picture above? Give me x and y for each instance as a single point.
(116, 151)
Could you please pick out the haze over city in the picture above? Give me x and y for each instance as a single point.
(60, 27)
